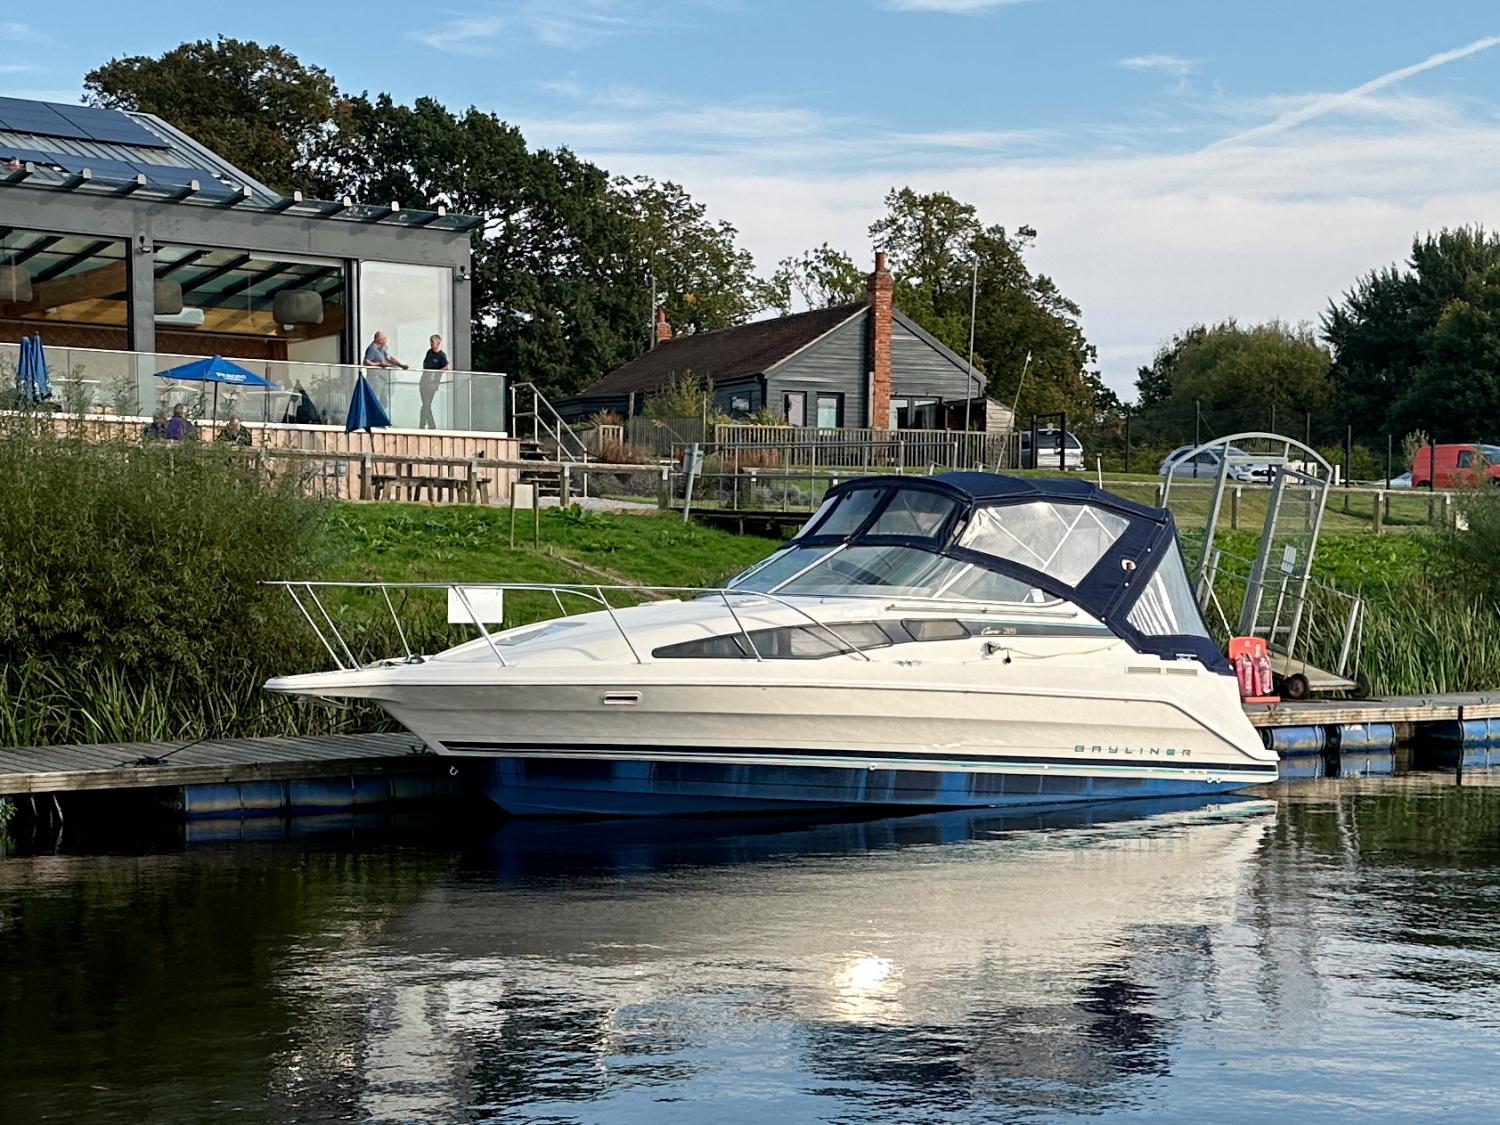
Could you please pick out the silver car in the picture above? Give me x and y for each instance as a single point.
(1205, 463)
(1051, 445)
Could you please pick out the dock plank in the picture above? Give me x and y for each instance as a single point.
(49, 769)
(1396, 709)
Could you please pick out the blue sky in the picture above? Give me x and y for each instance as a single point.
(1181, 161)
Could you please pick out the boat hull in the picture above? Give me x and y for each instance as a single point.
(733, 737)
(545, 786)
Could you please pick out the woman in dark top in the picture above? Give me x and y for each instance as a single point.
(434, 363)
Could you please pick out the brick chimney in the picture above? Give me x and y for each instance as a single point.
(881, 287)
(663, 329)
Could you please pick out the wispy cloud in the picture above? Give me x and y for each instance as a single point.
(630, 123)
(12, 31)
(1356, 99)
(953, 7)
(1174, 67)
(574, 25)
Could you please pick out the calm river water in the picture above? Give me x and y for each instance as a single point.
(1330, 954)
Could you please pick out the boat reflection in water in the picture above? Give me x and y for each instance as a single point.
(952, 963)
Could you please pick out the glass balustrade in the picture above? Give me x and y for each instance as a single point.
(137, 384)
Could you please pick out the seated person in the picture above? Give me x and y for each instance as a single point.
(233, 432)
(180, 427)
(156, 429)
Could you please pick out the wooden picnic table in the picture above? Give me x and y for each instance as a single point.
(410, 485)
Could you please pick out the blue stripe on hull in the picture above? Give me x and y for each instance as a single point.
(562, 787)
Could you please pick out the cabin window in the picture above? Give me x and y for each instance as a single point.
(830, 411)
(1166, 607)
(913, 512)
(791, 642)
(794, 406)
(1465, 458)
(1062, 540)
(934, 629)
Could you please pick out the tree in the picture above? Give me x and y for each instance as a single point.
(944, 259)
(259, 107)
(822, 277)
(1420, 347)
(702, 277)
(1153, 383)
(1235, 377)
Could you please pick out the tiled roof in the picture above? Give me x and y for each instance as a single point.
(730, 353)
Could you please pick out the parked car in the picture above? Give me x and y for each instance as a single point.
(1205, 463)
(1403, 481)
(1050, 444)
(1461, 465)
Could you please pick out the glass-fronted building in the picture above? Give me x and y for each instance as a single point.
(129, 248)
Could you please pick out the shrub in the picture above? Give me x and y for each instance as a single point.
(687, 396)
(130, 596)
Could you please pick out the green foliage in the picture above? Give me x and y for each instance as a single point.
(1420, 346)
(687, 396)
(260, 107)
(1411, 443)
(1234, 378)
(703, 278)
(129, 584)
(821, 278)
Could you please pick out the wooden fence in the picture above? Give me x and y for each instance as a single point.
(815, 447)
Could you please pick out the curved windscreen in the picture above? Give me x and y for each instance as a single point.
(882, 569)
(911, 513)
(1060, 539)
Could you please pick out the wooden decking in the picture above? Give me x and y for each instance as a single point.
(1396, 709)
(128, 765)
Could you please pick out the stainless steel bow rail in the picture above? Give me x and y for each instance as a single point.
(306, 596)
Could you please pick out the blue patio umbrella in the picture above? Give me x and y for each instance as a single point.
(365, 411)
(215, 370)
(31, 373)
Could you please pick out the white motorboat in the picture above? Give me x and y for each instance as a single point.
(964, 640)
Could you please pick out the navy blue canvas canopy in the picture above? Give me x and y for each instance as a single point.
(1108, 586)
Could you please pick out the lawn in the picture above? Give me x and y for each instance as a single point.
(413, 543)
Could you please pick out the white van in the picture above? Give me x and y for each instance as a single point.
(1050, 443)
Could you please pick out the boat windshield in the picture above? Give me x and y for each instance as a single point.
(883, 570)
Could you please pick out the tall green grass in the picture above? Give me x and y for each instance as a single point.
(130, 603)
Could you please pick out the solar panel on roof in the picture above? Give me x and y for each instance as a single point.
(79, 123)
(34, 155)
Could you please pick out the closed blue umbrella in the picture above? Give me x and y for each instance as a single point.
(23, 371)
(365, 411)
(31, 372)
(40, 384)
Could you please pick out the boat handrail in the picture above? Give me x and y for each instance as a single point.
(305, 595)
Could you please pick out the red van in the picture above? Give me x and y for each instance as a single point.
(1458, 466)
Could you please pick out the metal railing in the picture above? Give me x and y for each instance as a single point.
(133, 385)
(307, 597)
(816, 447)
(536, 420)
